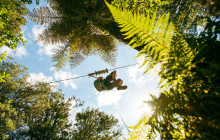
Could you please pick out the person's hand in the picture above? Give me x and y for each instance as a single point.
(100, 78)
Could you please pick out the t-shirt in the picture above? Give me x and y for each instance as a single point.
(102, 87)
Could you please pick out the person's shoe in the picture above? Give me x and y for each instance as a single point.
(113, 75)
(122, 87)
(117, 82)
(120, 82)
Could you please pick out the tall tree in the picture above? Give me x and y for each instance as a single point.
(31, 111)
(36, 111)
(93, 124)
(11, 20)
(52, 123)
(75, 25)
(188, 105)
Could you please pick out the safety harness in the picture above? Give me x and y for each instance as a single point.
(99, 85)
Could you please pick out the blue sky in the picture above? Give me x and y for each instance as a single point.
(127, 104)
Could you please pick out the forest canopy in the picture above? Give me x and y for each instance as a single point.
(178, 39)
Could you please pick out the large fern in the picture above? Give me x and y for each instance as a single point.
(44, 15)
(60, 56)
(96, 44)
(141, 130)
(163, 46)
(152, 31)
(80, 37)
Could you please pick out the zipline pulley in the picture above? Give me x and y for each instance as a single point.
(98, 72)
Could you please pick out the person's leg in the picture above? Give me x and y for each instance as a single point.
(111, 76)
(116, 83)
(122, 87)
(119, 85)
(110, 85)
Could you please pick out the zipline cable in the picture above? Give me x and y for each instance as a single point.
(91, 74)
(68, 79)
(123, 67)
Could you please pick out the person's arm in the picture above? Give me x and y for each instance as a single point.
(100, 78)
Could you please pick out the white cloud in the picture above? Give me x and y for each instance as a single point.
(37, 30)
(109, 97)
(8, 51)
(18, 52)
(47, 50)
(52, 68)
(61, 75)
(23, 29)
(43, 50)
(135, 75)
(39, 77)
(73, 115)
(21, 51)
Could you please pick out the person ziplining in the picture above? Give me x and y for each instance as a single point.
(109, 83)
(102, 84)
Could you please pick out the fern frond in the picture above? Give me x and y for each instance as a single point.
(76, 58)
(57, 33)
(96, 44)
(44, 15)
(140, 130)
(105, 48)
(154, 32)
(169, 34)
(48, 37)
(142, 121)
(60, 57)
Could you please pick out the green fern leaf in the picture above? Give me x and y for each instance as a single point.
(44, 15)
(134, 132)
(60, 56)
(151, 25)
(153, 31)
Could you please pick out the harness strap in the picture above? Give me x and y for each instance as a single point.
(99, 87)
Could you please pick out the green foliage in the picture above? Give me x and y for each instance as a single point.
(141, 130)
(4, 75)
(3, 56)
(30, 1)
(155, 35)
(44, 15)
(78, 26)
(52, 123)
(34, 111)
(187, 107)
(139, 5)
(93, 124)
(11, 18)
(186, 15)
(61, 57)
(75, 22)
